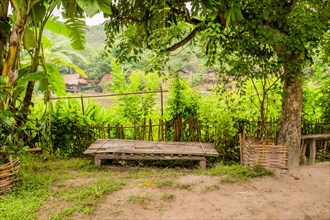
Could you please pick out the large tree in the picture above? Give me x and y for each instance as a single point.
(273, 36)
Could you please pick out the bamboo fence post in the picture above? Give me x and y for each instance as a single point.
(175, 130)
(119, 131)
(134, 131)
(144, 129)
(162, 129)
(161, 101)
(108, 131)
(150, 130)
(82, 104)
(182, 129)
(207, 131)
(241, 141)
(159, 124)
(166, 131)
(100, 131)
(103, 131)
(199, 133)
(123, 131)
(191, 129)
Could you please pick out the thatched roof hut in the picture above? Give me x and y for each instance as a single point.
(73, 82)
(105, 82)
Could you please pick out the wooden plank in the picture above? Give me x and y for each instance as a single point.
(155, 148)
(138, 157)
(147, 147)
(155, 151)
(316, 137)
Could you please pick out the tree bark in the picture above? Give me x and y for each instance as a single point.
(290, 124)
(3, 33)
(10, 66)
(27, 99)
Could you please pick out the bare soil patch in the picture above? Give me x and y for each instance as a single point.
(303, 193)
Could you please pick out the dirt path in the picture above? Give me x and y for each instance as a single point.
(300, 194)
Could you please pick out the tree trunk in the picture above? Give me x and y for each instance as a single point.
(11, 64)
(27, 99)
(3, 33)
(290, 124)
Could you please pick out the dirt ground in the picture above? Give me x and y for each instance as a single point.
(303, 193)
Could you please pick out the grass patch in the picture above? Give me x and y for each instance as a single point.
(183, 186)
(167, 197)
(211, 188)
(36, 184)
(236, 173)
(164, 183)
(44, 177)
(141, 199)
(83, 198)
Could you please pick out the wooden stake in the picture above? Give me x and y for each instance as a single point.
(82, 104)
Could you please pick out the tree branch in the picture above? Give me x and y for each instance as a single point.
(186, 15)
(185, 40)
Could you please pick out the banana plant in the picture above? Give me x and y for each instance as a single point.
(28, 21)
(73, 27)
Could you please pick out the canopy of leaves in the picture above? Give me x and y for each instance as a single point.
(266, 34)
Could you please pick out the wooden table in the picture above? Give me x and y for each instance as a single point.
(105, 149)
(311, 141)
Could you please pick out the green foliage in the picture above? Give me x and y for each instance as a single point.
(70, 129)
(183, 101)
(133, 109)
(237, 173)
(72, 28)
(317, 92)
(11, 134)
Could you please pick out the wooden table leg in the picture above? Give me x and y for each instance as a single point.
(312, 152)
(97, 161)
(202, 164)
(303, 151)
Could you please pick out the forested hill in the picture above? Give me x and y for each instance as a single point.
(189, 59)
(95, 35)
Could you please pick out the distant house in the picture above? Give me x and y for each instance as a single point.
(105, 83)
(73, 82)
(184, 73)
(210, 78)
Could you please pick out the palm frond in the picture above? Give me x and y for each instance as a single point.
(76, 29)
(72, 28)
(63, 60)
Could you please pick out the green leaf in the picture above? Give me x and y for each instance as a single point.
(46, 43)
(73, 28)
(76, 29)
(5, 27)
(104, 6)
(38, 12)
(228, 16)
(57, 27)
(29, 40)
(43, 84)
(55, 79)
(90, 7)
(239, 15)
(36, 76)
(62, 59)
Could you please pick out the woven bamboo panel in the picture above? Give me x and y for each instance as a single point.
(8, 175)
(270, 156)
